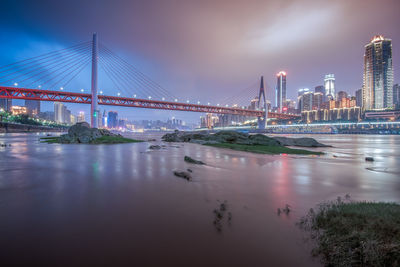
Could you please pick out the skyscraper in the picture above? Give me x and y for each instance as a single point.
(359, 98)
(33, 107)
(378, 74)
(6, 104)
(396, 96)
(59, 112)
(319, 89)
(280, 90)
(341, 95)
(112, 119)
(329, 86)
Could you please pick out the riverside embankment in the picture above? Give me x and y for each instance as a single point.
(8, 127)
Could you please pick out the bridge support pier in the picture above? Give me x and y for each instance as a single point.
(94, 112)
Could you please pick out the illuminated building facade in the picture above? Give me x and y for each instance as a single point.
(378, 74)
(17, 110)
(396, 96)
(329, 82)
(280, 90)
(33, 107)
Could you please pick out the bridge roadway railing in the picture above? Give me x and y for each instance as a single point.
(69, 97)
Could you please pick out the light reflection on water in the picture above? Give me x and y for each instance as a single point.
(124, 202)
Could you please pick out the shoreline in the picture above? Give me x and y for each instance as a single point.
(9, 127)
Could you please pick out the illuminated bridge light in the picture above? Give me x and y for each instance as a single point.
(218, 105)
(149, 97)
(15, 84)
(101, 92)
(134, 95)
(119, 94)
(39, 86)
(82, 90)
(187, 101)
(198, 102)
(163, 99)
(176, 100)
(226, 105)
(208, 103)
(61, 88)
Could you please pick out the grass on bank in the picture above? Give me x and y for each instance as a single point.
(355, 233)
(262, 149)
(100, 140)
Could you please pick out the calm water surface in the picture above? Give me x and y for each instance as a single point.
(121, 204)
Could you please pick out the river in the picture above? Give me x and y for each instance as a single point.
(121, 204)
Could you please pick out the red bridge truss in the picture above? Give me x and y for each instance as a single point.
(61, 96)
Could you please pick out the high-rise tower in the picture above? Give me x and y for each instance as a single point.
(378, 74)
(280, 90)
(329, 86)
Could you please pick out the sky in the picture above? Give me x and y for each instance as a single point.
(208, 50)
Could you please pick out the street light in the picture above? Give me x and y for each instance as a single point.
(149, 97)
(118, 93)
(15, 84)
(82, 90)
(134, 95)
(176, 100)
(198, 102)
(163, 99)
(187, 101)
(61, 88)
(101, 92)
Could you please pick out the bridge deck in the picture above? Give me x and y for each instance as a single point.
(69, 97)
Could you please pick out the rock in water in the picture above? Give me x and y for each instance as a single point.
(304, 142)
(183, 174)
(82, 133)
(190, 160)
(369, 159)
(154, 147)
(234, 137)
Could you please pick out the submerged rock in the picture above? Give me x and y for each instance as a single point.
(234, 137)
(183, 174)
(369, 159)
(155, 147)
(303, 141)
(190, 160)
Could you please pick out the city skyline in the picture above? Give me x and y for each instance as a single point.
(303, 73)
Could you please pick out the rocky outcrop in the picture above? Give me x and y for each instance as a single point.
(82, 133)
(303, 142)
(183, 174)
(190, 160)
(234, 137)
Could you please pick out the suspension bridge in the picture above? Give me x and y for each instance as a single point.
(47, 77)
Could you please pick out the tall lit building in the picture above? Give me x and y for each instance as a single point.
(396, 96)
(378, 74)
(280, 90)
(305, 99)
(81, 116)
(341, 95)
(318, 99)
(359, 98)
(6, 104)
(329, 82)
(319, 89)
(33, 107)
(59, 112)
(112, 119)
